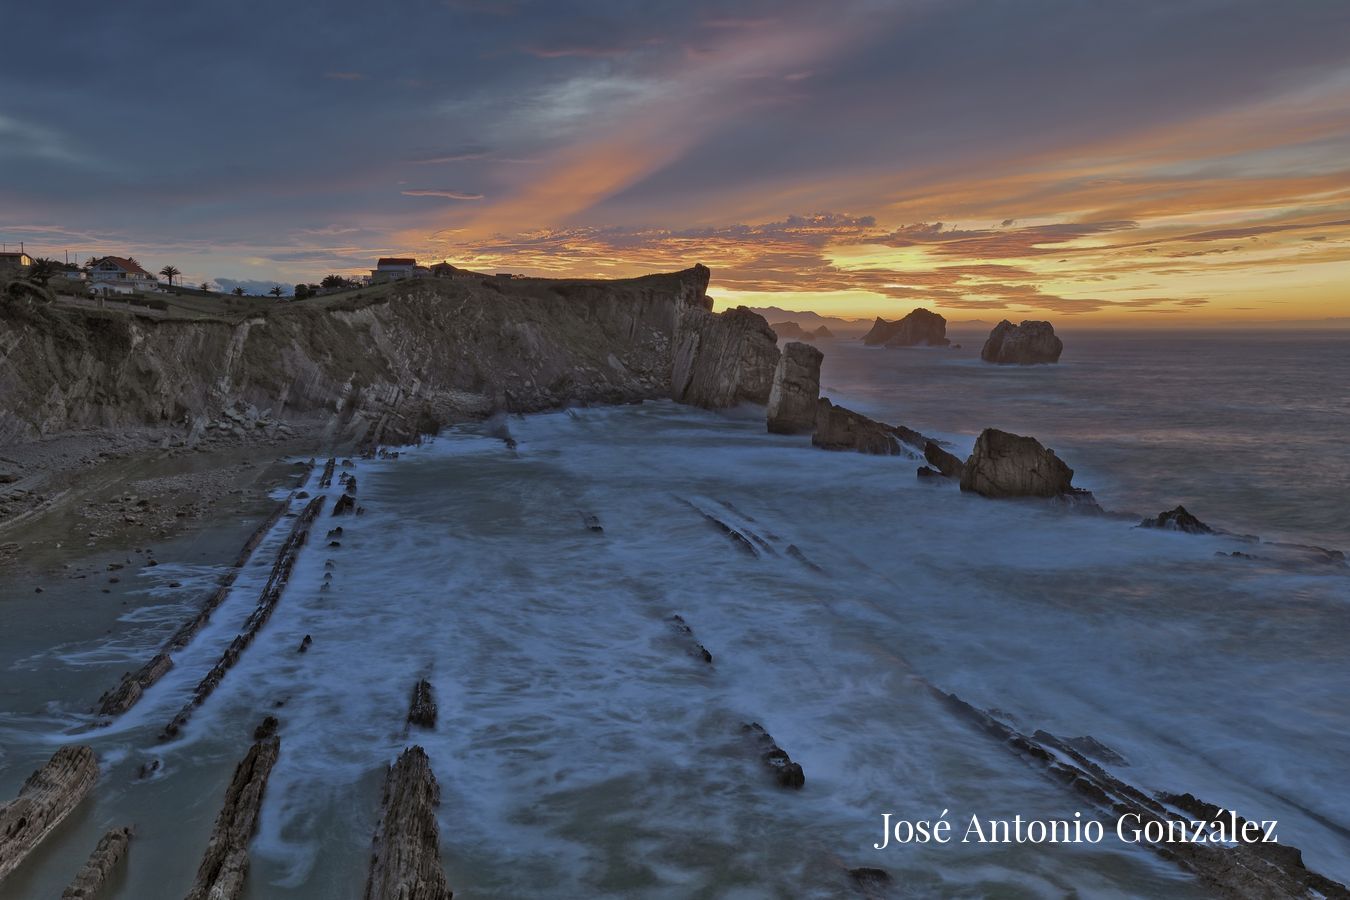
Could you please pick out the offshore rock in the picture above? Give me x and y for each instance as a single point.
(94, 874)
(796, 388)
(838, 428)
(406, 864)
(785, 772)
(722, 359)
(1011, 465)
(1178, 519)
(1030, 343)
(920, 327)
(44, 801)
(422, 709)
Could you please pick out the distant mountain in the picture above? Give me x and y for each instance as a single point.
(810, 321)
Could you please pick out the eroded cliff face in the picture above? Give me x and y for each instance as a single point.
(386, 366)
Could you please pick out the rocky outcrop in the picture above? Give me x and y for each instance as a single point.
(406, 864)
(1030, 343)
(1178, 519)
(796, 388)
(921, 327)
(1011, 465)
(44, 801)
(821, 333)
(838, 428)
(98, 869)
(722, 359)
(785, 772)
(225, 863)
(384, 363)
(948, 464)
(422, 709)
(791, 331)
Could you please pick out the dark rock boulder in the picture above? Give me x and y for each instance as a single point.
(1030, 343)
(1178, 519)
(949, 464)
(1011, 465)
(838, 428)
(921, 327)
(786, 772)
(796, 388)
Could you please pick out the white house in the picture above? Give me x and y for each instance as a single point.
(392, 268)
(125, 274)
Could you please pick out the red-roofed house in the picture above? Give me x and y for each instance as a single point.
(121, 275)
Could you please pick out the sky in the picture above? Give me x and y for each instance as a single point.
(1142, 164)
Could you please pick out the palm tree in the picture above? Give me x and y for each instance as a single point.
(239, 292)
(170, 272)
(42, 270)
(277, 291)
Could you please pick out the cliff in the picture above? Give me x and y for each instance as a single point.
(384, 363)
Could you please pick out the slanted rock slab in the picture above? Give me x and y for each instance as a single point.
(44, 801)
(406, 864)
(796, 388)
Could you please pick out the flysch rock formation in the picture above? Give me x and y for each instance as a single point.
(795, 390)
(949, 465)
(1178, 519)
(225, 863)
(1012, 465)
(406, 864)
(1028, 344)
(385, 364)
(722, 359)
(94, 875)
(422, 708)
(921, 327)
(44, 801)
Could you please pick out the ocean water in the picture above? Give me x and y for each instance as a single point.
(584, 749)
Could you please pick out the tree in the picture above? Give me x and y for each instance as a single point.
(277, 291)
(333, 282)
(238, 292)
(204, 286)
(170, 272)
(302, 291)
(42, 270)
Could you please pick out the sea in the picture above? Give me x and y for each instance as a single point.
(585, 747)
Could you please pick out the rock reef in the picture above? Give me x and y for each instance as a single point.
(1178, 519)
(94, 875)
(1030, 343)
(795, 390)
(406, 864)
(44, 801)
(225, 863)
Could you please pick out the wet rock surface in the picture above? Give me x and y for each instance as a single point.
(94, 875)
(1178, 519)
(949, 465)
(1027, 344)
(422, 709)
(838, 428)
(786, 773)
(45, 799)
(224, 865)
(406, 863)
(796, 388)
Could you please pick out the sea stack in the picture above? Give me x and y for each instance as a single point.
(1011, 465)
(920, 328)
(1028, 344)
(796, 387)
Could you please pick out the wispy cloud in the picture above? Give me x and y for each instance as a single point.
(443, 193)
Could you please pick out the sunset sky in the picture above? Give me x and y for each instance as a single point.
(1144, 163)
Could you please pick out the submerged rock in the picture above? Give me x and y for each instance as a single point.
(921, 327)
(45, 799)
(1031, 343)
(422, 709)
(948, 464)
(1011, 465)
(796, 388)
(1178, 519)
